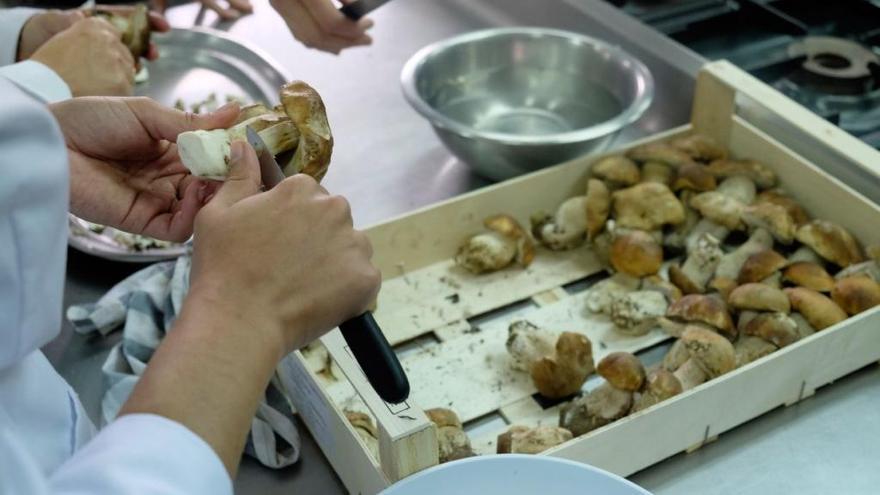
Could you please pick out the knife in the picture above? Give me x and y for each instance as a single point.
(362, 334)
(359, 8)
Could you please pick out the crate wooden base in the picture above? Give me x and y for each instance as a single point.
(453, 325)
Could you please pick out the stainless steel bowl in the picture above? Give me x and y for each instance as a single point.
(512, 100)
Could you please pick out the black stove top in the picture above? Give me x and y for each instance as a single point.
(823, 53)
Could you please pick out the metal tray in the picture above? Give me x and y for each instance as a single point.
(192, 64)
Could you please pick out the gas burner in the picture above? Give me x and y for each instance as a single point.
(835, 65)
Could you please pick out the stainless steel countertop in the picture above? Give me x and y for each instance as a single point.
(387, 161)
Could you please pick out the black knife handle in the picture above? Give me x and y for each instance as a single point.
(376, 358)
(360, 8)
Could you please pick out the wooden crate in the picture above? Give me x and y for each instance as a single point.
(461, 363)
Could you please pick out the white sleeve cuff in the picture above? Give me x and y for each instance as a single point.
(144, 454)
(37, 80)
(11, 22)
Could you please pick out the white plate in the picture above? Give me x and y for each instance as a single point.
(514, 474)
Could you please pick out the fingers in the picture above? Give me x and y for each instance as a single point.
(166, 123)
(241, 5)
(317, 24)
(333, 22)
(180, 221)
(224, 13)
(158, 22)
(244, 176)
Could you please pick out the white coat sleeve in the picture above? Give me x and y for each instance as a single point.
(32, 77)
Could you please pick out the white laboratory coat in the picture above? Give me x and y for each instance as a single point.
(47, 443)
(32, 77)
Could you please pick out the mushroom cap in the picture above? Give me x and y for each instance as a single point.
(809, 275)
(760, 265)
(759, 297)
(675, 356)
(659, 386)
(596, 409)
(700, 147)
(443, 417)
(508, 226)
(695, 177)
(657, 172)
(819, 311)
(622, 370)
(712, 352)
(563, 374)
(617, 169)
(795, 210)
(486, 252)
(754, 170)
(773, 218)
(598, 205)
(710, 310)
(306, 109)
(724, 286)
(749, 348)
(524, 440)
(856, 294)
(676, 328)
(738, 187)
(830, 241)
(636, 253)
(777, 328)
(248, 112)
(647, 206)
(720, 208)
(659, 152)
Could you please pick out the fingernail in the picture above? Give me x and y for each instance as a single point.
(202, 192)
(236, 152)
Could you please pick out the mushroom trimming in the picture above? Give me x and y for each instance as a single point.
(302, 126)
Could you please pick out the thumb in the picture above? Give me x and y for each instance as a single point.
(166, 123)
(244, 175)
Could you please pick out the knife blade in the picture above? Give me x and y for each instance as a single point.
(363, 335)
(356, 10)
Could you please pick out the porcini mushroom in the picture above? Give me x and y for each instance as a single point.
(598, 408)
(622, 370)
(451, 439)
(646, 206)
(565, 229)
(724, 205)
(732, 262)
(868, 268)
(809, 275)
(600, 296)
(636, 253)
(698, 268)
(856, 294)
(795, 210)
(598, 204)
(749, 348)
(363, 425)
(618, 170)
(303, 126)
(760, 265)
(636, 313)
(524, 440)
(762, 176)
(700, 147)
(776, 328)
(659, 152)
(659, 386)
(759, 297)
(527, 343)
(658, 172)
(773, 218)
(563, 373)
(678, 235)
(663, 286)
(675, 356)
(701, 308)
(490, 251)
(694, 177)
(830, 241)
(711, 355)
(820, 311)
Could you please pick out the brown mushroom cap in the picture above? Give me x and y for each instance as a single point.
(749, 348)
(682, 281)
(596, 409)
(524, 440)
(636, 253)
(856, 294)
(702, 308)
(758, 172)
(759, 297)
(820, 311)
(622, 370)
(809, 275)
(617, 169)
(647, 206)
(659, 152)
(830, 241)
(777, 328)
(760, 265)
(700, 147)
(659, 386)
(774, 218)
(563, 374)
(720, 208)
(306, 110)
(795, 210)
(507, 226)
(712, 352)
(443, 417)
(658, 172)
(695, 177)
(598, 205)
(724, 286)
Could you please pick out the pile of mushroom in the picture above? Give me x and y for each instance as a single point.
(297, 127)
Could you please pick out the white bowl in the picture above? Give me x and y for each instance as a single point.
(514, 474)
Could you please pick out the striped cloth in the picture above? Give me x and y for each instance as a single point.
(145, 305)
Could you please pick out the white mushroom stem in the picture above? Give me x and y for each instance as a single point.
(704, 227)
(600, 297)
(702, 260)
(567, 228)
(528, 343)
(636, 313)
(486, 252)
(731, 263)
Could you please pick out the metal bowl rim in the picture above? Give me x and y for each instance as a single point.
(629, 115)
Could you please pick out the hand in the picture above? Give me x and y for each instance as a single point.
(236, 8)
(91, 59)
(286, 260)
(318, 24)
(124, 167)
(158, 23)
